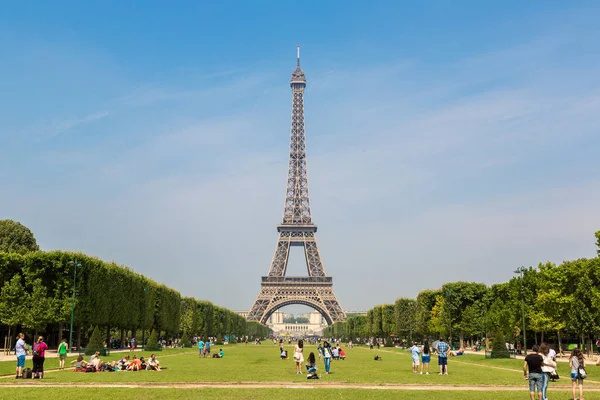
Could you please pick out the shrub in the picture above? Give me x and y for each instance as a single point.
(499, 349)
(153, 342)
(96, 343)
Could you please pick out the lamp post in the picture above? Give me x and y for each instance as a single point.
(144, 320)
(75, 264)
(520, 271)
(448, 293)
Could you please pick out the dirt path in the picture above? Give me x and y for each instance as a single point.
(288, 385)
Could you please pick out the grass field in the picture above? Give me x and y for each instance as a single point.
(261, 365)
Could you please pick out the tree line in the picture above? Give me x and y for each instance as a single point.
(552, 301)
(37, 290)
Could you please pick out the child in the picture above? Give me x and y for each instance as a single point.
(80, 364)
(284, 355)
(311, 367)
(342, 354)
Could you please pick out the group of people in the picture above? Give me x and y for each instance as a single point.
(421, 356)
(95, 364)
(325, 351)
(204, 350)
(38, 352)
(540, 367)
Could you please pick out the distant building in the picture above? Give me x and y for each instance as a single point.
(314, 327)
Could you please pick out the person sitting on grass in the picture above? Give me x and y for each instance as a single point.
(95, 362)
(220, 354)
(134, 365)
(124, 363)
(335, 353)
(342, 354)
(80, 364)
(284, 355)
(153, 364)
(93, 357)
(311, 367)
(377, 358)
(459, 352)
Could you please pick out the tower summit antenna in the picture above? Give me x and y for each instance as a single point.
(298, 56)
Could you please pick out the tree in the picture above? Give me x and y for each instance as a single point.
(405, 313)
(438, 323)
(426, 299)
(12, 304)
(598, 242)
(473, 319)
(16, 238)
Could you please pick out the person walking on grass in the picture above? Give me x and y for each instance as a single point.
(442, 351)
(326, 351)
(298, 356)
(534, 362)
(415, 351)
(20, 351)
(548, 368)
(207, 349)
(426, 357)
(200, 348)
(62, 353)
(578, 374)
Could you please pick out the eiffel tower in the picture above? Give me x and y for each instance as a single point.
(297, 229)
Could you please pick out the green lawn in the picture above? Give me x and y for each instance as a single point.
(261, 363)
(264, 394)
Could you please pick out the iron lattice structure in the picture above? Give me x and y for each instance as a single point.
(297, 229)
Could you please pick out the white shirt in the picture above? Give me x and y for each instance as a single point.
(20, 348)
(551, 353)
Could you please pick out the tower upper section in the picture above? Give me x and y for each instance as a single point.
(297, 202)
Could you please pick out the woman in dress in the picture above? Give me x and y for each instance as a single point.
(298, 356)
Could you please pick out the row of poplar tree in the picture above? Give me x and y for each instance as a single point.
(553, 302)
(37, 290)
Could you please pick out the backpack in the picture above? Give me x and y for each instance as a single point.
(27, 373)
(35, 352)
(581, 373)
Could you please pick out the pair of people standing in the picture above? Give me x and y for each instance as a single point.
(425, 357)
(39, 356)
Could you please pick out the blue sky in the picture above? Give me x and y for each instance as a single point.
(446, 140)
